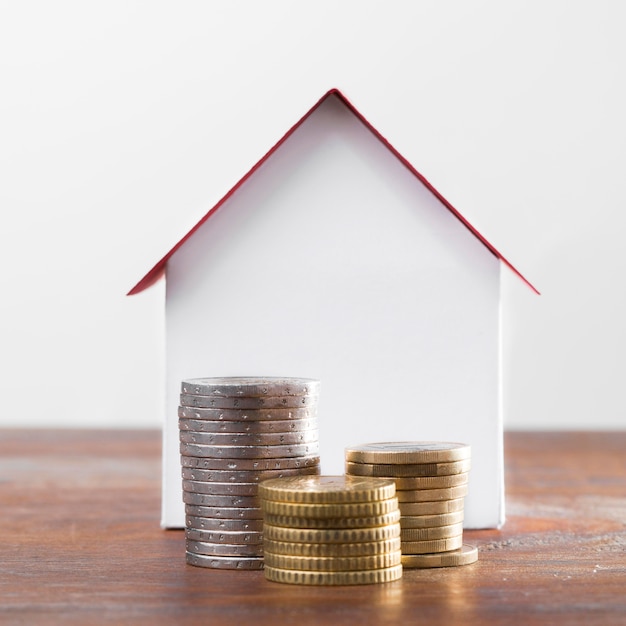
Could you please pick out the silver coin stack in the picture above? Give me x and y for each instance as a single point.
(234, 433)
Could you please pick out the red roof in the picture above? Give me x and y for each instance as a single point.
(157, 271)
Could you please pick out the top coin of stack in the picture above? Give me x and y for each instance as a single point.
(330, 530)
(431, 482)
(234, 433)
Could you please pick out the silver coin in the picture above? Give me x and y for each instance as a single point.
(223, 536)
(215, 500)
(278, 463)
(239, 427)
(249, 452)
(224, 562)
(250, 386)
(273, 402)
(221, 489)
(242, 476)
(206, 487)
(224, 549)
(232, 512)
(246, 415)
(193, 522)
(248, 439)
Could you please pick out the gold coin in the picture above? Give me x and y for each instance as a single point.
(327, 489)
(434, 508)
(331, 549)
(331, 535)
(464, 556)
(352, 509)
(434, 495)
(291, 521)
(432, 532)
(415, 495)
(332, 563)
(408, 452)
(432, 545)
(364, 577)
(402, 469)
(430, 521)
(419, 483)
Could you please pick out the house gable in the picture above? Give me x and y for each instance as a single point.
(158, 269)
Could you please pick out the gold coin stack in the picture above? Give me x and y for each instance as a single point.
(234, 433)
(431, 483)
(330, 530)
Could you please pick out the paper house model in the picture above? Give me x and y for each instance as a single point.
(334, 258)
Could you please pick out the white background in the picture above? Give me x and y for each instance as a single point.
(122, 123)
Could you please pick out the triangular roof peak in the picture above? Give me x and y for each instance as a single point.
(157, 271)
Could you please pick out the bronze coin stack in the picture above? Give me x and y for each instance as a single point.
(234, 433)
(330, 530)
(431, 483)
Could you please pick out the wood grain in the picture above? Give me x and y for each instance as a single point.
(81, 544)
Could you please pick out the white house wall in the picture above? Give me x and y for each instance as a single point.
(334, 262)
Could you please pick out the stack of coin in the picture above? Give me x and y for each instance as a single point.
(234, 433)
(431, 482)
(331, 530)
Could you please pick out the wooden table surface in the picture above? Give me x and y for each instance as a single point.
(81, 544)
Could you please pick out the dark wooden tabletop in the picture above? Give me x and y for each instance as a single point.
(80, 543)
